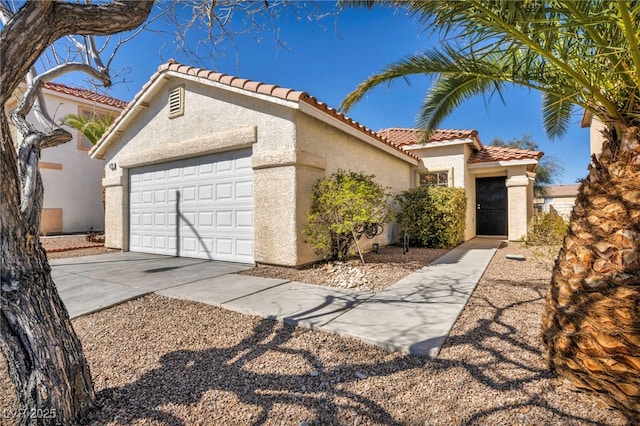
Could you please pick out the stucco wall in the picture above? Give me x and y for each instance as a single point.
(520, 202)
(595, 136)
(72, 179)
(341, 150)
(453, 158)
(290, 152)
(214, 120)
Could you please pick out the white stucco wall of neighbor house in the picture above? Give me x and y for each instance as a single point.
(327, 149)
(71, 179)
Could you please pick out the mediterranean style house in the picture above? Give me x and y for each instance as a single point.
(207, 165)
(71, 179)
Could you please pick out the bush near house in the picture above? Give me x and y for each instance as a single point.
(546, 229)
(344, 205)
(433, 216)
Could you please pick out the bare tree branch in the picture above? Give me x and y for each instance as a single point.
(23, 39)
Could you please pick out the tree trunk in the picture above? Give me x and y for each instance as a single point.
(44, 355)
(591, 322)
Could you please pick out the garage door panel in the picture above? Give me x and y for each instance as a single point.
(206, 169)
(160, 219)
(244, 164)
(224, 166)
(245, 248)
(224, 191)
(205, 192)
(205, 219)
(224, 219)
(244, 190)
(244, 219)
(199, 207)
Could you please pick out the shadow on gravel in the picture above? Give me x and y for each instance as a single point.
(495, 357)
(185, 376)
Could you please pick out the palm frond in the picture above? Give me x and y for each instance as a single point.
(585, 53)
(448, 92)
(92, 127)
(556, 115)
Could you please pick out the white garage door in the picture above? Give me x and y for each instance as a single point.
(198, 207)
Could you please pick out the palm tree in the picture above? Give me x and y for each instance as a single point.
(576, 54)
(92, 127)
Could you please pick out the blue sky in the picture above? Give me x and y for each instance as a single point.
(329, 59)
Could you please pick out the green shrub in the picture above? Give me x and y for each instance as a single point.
(433, 216)
(344, 204)
(546, 229)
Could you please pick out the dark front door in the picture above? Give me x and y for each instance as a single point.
(491, 206)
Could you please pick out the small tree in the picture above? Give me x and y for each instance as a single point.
(91, 127)
(433, 216)
(344, 206)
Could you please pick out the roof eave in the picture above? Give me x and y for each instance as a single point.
(504, 163)
(438, 144)
(138, 104)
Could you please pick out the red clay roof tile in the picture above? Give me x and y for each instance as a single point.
(495, 153)
(86, 94)
(404, 136)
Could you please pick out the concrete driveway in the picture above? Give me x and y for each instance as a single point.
(413, 316)
(91, 283)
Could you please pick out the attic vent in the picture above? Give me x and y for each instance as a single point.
(176, 102)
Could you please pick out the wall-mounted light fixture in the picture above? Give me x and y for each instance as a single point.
(112, 166)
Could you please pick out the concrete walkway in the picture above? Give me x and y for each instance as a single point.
(413, 316)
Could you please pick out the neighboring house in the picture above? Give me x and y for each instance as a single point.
(72, 180)
(561, 198)
(203, 164)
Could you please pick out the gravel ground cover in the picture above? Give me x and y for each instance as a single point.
(71, 246)
(380, 270)
(160, 361)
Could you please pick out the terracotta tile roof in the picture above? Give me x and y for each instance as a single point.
(404, 136)
(86, 94)
(251, 86)
(555, 191)
(494, 153)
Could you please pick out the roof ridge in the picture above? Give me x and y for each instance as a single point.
(255, 87)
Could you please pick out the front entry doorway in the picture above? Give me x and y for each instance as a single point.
(491, 206)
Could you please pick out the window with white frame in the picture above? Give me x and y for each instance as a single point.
(436, 178)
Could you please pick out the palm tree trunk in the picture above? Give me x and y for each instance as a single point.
(591, 322)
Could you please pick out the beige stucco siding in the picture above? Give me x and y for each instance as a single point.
(470, 186)
(596, 138)
(444, 158)
(453, 158)
(208, 110)
(342, 150)
(214, 120)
